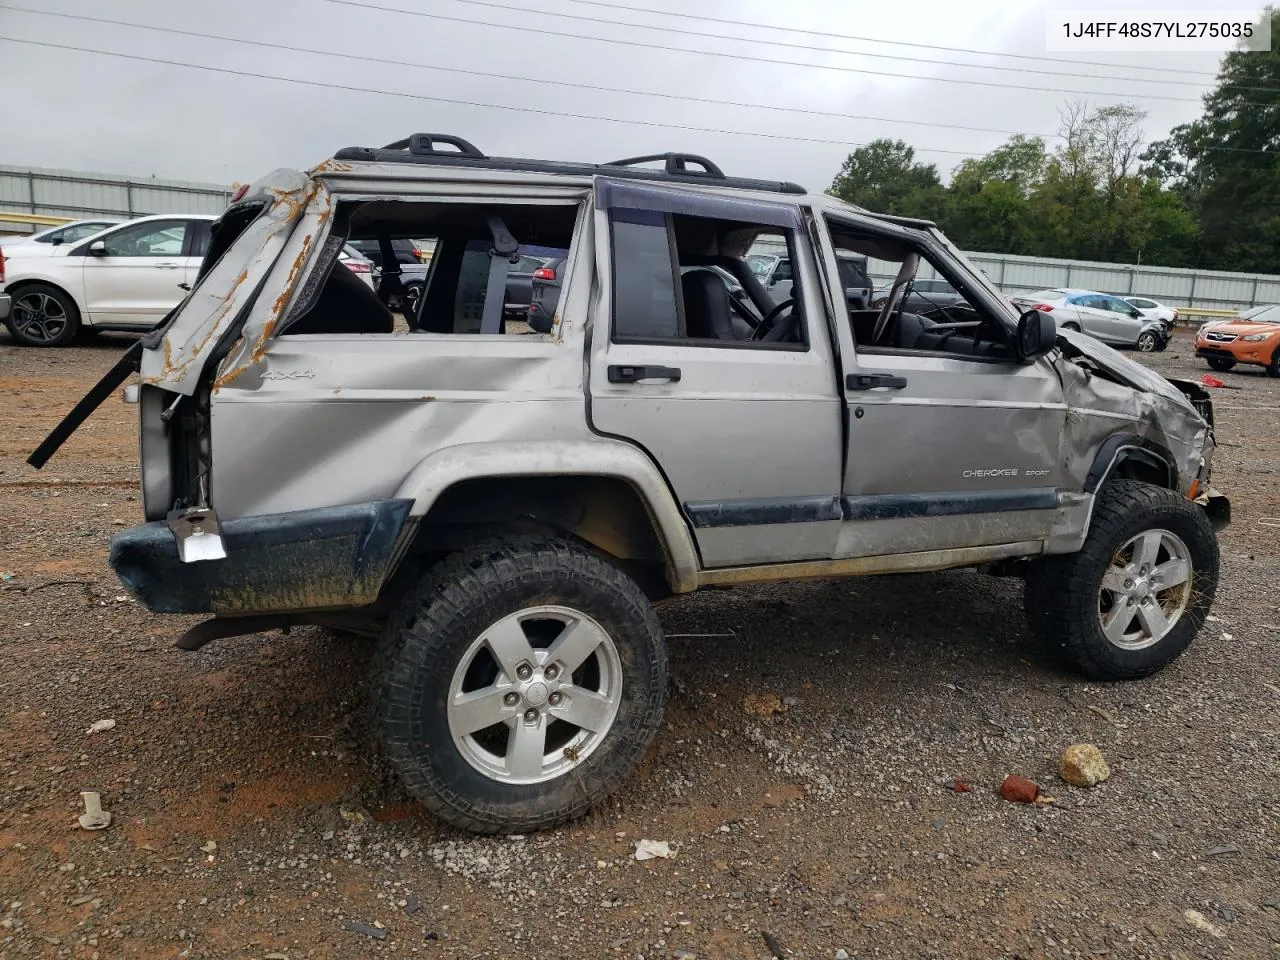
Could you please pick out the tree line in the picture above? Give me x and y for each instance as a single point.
(1207, 196)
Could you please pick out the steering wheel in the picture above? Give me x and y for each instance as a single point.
(887, 314)
(765, 326)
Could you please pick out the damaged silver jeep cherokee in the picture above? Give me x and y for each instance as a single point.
(502, 507)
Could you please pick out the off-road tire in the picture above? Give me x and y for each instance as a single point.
(1061, 599)
(70, 329)
(1221, 364)
(434, 625)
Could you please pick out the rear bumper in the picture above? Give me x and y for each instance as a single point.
(6, 306)
(325, 559)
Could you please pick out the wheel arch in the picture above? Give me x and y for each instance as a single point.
(1131, 457)
(14, 288)
(604, 492)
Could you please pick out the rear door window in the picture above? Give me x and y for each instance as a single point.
(644, 290)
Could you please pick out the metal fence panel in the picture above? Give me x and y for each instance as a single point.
(72, 194)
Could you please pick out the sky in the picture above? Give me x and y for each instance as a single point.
(517, 83)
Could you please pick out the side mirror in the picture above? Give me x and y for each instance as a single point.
(98, 248)
(1135, 313)
(1037, 335)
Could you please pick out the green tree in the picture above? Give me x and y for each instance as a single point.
(988, 204)
(883, 176)
(1226, 164)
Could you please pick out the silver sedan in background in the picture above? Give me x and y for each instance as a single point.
(1109, 319)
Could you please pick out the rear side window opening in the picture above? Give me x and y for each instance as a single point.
(679, 278)
(473, 273)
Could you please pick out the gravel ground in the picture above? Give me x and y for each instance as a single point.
(250, 822)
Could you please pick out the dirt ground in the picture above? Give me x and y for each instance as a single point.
(250, 822)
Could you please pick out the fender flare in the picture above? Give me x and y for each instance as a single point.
(601, 457)
(1123, 446)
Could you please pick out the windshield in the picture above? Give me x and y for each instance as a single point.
(1266, 315)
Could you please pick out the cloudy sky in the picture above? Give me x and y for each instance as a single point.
(524, 78)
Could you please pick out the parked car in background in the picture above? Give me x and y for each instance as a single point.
(1252, 338)
(413, 270)
(923, 295)
(1109, 319)
(1153, 310)
(858, 289)
(544, 294)
(360, 265)
(774, 271)
(124, 278)
(520, 276)
(47, 241)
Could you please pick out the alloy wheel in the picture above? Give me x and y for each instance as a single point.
(39, 317)
(535, 694)
(1145, 589)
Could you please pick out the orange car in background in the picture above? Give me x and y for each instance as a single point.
(1253, 337)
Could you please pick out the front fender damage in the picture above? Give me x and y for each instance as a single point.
(1116, 408)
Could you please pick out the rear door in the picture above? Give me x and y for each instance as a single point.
(748, 432)
(1125, 327)
(138, 277)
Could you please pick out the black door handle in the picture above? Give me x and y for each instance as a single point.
(621, 374)
(874, 381)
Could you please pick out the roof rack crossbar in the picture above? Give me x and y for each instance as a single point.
(675, 163)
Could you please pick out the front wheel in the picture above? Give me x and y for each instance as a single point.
(1147, 342)
(524, 680)
(43, 316)
(1135, 595)
(1221, 364)
(1273, 368)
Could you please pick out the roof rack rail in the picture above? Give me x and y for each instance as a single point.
(424, 145)
(675, 163)
(677, 167)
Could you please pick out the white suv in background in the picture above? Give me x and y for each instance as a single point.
(48, 241)
(124, 278)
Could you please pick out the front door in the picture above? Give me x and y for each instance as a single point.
(951, 442)
(742, 416)
(137, 277)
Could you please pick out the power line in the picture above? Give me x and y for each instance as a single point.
(1037, 58)
(805, 46)
(458, 102)
(495, 106)
(742, 56)
(503, 76)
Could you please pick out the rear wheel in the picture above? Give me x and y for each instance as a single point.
(524, 680)
(1222, 364)
(1071, 325)
(43, 316)
(1137, 592)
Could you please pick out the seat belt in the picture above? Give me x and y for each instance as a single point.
(389, 283)
(500, 253)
